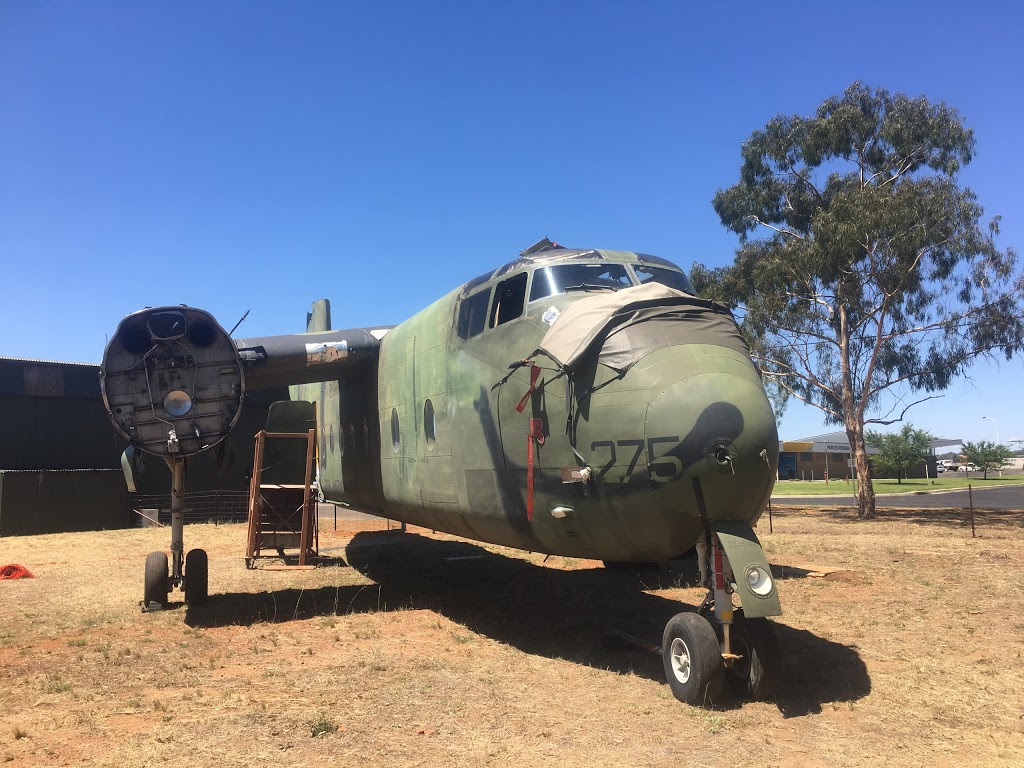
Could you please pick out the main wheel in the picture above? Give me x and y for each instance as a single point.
(759, 672)
(693, 659)
(156, 579)
(197, 577)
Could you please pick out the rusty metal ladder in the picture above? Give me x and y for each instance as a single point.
(282, 516)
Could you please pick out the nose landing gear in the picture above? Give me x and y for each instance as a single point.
(702, 650)
(692, 659)
(190, 572)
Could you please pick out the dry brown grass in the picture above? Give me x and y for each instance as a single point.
(910, 654)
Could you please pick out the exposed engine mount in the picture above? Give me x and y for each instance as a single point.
(172, 381)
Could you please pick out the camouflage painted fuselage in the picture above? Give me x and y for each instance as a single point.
(432, 437)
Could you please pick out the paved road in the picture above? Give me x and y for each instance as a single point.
(1011, 498)
(984, 498)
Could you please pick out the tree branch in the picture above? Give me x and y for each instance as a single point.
(780, 230)
(902, 413)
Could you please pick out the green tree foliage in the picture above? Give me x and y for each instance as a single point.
(986, 456)
(899, 451)
(866, 280)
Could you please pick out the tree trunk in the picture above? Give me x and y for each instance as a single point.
(865, 491)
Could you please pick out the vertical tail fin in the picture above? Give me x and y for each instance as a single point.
(319, 317)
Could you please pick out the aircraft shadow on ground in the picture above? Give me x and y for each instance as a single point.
(560, 614)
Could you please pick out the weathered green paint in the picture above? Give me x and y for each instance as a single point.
(418, 477)
(646, 434)
(744, 550)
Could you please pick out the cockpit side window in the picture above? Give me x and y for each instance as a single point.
(473, 314)
(551, 281)
(648, 274)
(509, 300)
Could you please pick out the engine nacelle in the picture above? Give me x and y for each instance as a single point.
(172, 381)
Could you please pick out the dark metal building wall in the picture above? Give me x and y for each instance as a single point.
(57, 433)
(41, 378)
(52, 417)
(47, 501)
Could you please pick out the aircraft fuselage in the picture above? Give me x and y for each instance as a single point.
(435, 439)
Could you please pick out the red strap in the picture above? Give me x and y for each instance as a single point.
(536, 432)
(534, 375)
(15, 571)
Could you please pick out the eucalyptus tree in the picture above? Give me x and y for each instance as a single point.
(866, 279)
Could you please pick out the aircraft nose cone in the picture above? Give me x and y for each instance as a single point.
(717, 428)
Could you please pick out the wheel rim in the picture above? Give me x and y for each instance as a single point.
(679, 655)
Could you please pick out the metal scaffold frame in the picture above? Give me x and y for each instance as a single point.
(282, 516)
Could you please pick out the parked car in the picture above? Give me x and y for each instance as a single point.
(967, 468)
(940, 468)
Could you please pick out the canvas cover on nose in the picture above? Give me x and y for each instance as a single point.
(629, 323)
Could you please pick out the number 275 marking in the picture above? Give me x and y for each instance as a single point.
(662, 470)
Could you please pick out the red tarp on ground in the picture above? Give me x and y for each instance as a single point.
(14, 572)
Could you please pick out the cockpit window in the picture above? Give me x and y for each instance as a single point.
(550, 281)
(509, 299)
(669, 277)
(473, 314)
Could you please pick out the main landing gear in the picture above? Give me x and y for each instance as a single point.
(702, 651)
(190, 572)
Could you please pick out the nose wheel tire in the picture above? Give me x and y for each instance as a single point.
(197, 578)
(156, 579)
(692, 659)
(757, 674)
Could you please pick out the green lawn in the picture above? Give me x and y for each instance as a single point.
(837, 487)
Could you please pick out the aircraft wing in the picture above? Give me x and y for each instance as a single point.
(303, 358)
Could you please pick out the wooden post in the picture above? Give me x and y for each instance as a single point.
(769, 515)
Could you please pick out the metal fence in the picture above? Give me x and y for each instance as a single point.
(200, 507)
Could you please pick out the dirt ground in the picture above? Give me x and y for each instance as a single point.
(903, 640)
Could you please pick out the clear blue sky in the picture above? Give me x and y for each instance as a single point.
(237, 155)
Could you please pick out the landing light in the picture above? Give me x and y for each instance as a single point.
(177, 403)
(759, 581)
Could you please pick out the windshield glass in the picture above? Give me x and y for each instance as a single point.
(669, 277)
(550, 281)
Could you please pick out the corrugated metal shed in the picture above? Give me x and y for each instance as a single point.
(47, 378)
(47, 501)
(57, 433)
(52, 418)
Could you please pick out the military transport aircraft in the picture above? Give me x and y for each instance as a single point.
(583, 403)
